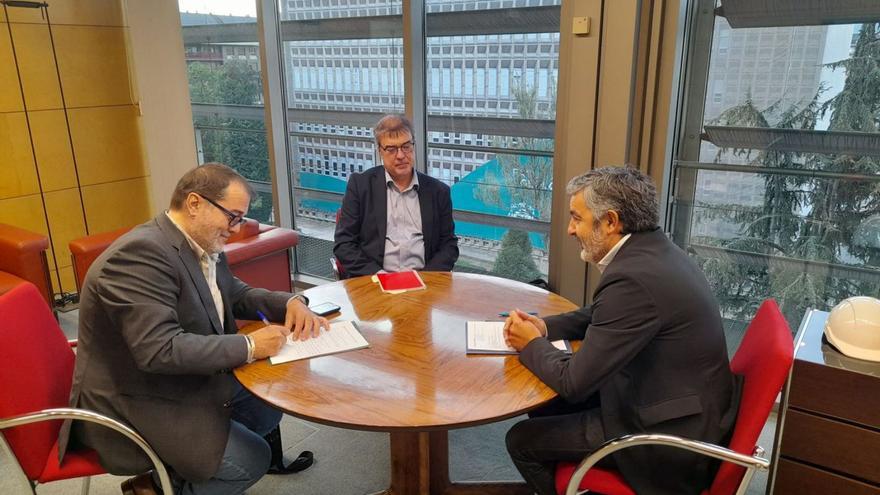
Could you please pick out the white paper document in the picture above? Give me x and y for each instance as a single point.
(487, 337)
(343, 336)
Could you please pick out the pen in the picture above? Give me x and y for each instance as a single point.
(263, 317)
(506, 314)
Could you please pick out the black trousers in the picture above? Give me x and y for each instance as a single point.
(557, 432)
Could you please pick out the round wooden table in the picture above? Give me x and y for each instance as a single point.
(415, 381)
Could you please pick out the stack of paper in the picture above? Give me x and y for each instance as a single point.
(342, 336)
(487, 337)
(395, 283)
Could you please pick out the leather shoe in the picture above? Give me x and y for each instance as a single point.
(141, 484)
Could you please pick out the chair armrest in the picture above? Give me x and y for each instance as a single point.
(85, 250)
(18, 244)
(750, 462)
(93, 417)
(23, 255)
(271, 241)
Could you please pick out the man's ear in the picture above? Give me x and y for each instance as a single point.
(612, 223)
(191, 203)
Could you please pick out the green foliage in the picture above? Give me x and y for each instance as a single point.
(232, 83)
(515, 260)
(803, 217)
(239, 143)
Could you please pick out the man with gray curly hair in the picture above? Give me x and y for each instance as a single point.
(653, 358)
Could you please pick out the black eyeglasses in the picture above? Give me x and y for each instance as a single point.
(234, 219)
(406, 147)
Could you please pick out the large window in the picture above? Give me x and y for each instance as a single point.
(343, 67)
(777, 178)
(226, 92)
(488, 83)
(490, 80)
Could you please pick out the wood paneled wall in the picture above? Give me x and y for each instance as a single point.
(71, 153)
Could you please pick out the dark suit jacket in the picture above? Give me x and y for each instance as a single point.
(152, 352)
(655, 352)
(360, 232)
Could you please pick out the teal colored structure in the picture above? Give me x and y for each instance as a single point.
(465, 196)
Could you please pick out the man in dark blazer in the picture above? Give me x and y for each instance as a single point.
(653, 357)
(158, 341)
(392, 217)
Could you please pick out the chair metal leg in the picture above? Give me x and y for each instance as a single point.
(87, 480)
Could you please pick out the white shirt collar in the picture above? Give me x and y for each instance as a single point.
(414, 183)
(609, 257)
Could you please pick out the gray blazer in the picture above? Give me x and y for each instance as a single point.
(152, 352)
(654, 351)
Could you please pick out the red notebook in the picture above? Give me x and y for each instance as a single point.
(395, 283)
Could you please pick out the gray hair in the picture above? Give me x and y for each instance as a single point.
(392, 124)
(623, 189)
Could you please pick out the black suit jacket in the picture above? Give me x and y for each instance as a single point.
(360, 232)
(654, 351)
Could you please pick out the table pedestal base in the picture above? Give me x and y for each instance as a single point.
(420, 466)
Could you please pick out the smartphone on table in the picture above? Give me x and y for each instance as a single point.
(325, 308)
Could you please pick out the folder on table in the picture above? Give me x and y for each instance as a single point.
(395, 283)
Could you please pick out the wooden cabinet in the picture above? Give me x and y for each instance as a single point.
(828, 432)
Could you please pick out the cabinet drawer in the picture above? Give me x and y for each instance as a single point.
(795, 478)
(831, 391)
(827, 443)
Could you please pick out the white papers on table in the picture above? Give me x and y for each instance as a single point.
(487, 337)
(343, 336)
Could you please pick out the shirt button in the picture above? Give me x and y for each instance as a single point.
(227, 404)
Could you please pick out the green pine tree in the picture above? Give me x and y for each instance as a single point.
(514, 259)
(802, 217)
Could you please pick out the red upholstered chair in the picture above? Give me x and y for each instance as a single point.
(36, 373)
(763, 359)
(258, 254)
(85, 250)
(23, 259)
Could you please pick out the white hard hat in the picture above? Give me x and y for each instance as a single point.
(853, 327)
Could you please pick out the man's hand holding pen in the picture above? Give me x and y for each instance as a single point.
(269, 339)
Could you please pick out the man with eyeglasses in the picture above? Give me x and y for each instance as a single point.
(394, 218)
(158, 341)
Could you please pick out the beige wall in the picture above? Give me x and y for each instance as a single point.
(72, 157)
(104, 148)
(159, 72)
